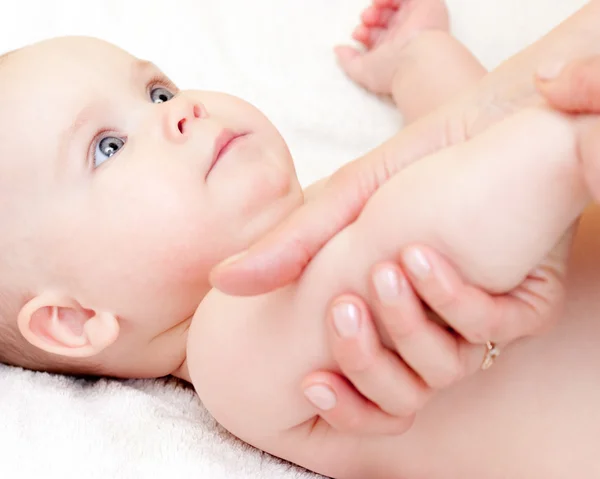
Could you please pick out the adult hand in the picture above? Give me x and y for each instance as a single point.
(380, 390)
(575, 88)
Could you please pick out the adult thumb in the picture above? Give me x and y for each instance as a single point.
(574, 88)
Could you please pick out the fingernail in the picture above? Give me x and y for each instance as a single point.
(233, 259)
(387, 285)
(321, 396)
(417, 263)
(346, 318)
(550, 71)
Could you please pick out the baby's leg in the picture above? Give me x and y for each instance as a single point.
(410, 55)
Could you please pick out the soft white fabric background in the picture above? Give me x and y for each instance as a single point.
(276, 54)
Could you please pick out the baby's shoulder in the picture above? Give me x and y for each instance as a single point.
(247, 357)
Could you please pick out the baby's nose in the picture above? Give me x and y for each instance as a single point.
(180, 118)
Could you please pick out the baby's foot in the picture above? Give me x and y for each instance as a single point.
(387, 26)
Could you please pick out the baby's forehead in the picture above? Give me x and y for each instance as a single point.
(59, 70)
(50, 83)
(67, 70)
(68, 55)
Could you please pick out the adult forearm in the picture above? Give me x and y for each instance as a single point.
(511, 85)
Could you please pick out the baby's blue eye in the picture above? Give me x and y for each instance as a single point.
(160, 95)
(107, 147)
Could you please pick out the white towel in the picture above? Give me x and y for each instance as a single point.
(276, 54)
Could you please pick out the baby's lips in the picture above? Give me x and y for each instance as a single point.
(224, 140)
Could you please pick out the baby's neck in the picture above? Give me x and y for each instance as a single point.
(182, 371)
(178, 342)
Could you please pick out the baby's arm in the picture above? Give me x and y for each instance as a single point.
(495, 205)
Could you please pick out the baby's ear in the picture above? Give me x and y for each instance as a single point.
(60, 325)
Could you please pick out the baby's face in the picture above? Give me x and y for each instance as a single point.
(132, 189)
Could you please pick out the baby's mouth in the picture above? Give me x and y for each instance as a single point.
(226, 140)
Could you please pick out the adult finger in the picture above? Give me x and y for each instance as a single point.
(437, 356)
(479, 316)
(574, 88)
(377, 373)
(341, 406)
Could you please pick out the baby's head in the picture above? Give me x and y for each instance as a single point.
(119, 193)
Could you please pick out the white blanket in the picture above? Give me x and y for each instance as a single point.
(276, 54)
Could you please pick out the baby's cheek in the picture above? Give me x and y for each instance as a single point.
(172, 272)
(160, 233)
(179, 251)
(263, 187)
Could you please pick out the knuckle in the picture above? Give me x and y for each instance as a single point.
(477, 333)
(412, 402)
(355, 361)
(398, 328)
(441, 299)
(541, 304)
(483, 329)
(362, 360)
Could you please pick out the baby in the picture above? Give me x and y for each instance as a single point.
(118, 206)
(121, 193)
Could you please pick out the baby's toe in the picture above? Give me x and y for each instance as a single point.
(387, 3)
(375, 16)
(368, 36)
(361, 34)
